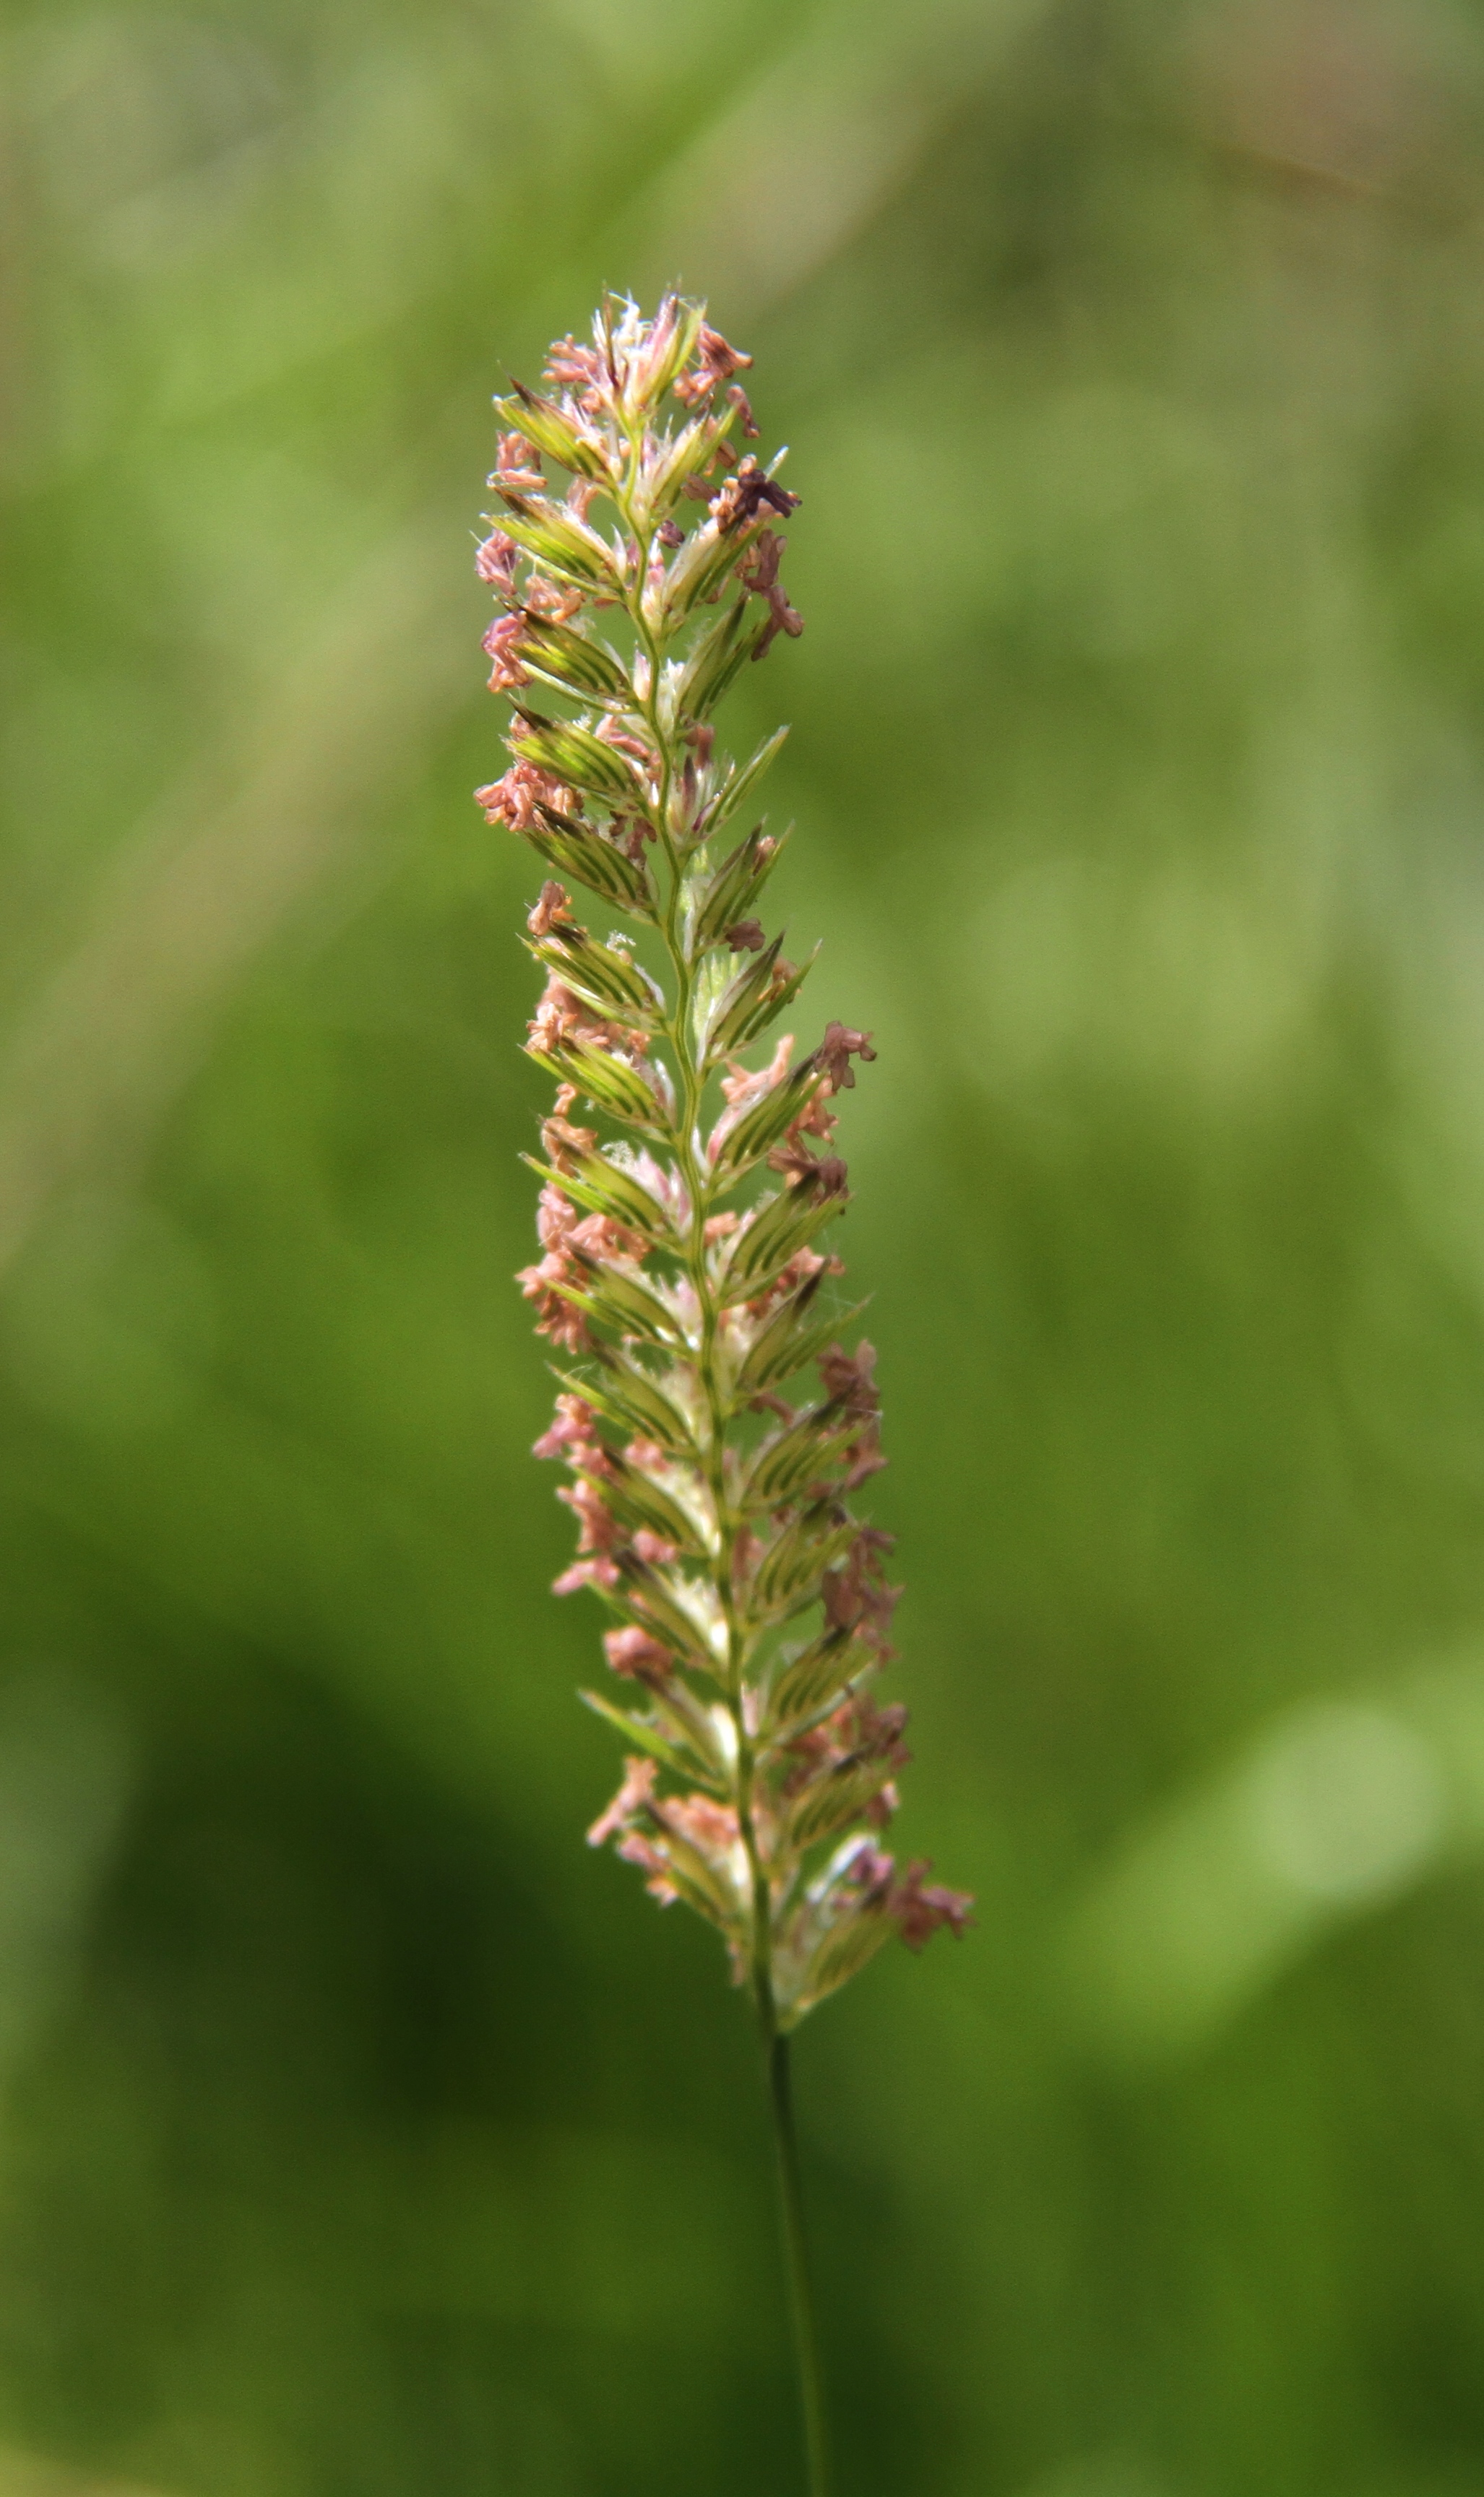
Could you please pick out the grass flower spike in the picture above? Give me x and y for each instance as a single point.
(685, 1279)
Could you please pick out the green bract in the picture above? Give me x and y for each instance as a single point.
(730, 893)
(617, 1299)
(715, 661)
(578, 851)
(572, 753)
(815, 1676)
(565, 546)
(602, 975)
(784, 1224)
(627, 1397)
(762, 1126)
(550, 430)
(572, 662)
(737, 786)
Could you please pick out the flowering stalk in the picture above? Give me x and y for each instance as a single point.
(750, 1605)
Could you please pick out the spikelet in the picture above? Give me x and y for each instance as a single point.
(685, 1272)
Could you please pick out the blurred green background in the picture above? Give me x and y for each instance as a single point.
(360, 2131)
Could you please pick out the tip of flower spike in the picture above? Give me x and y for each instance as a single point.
(632, 360)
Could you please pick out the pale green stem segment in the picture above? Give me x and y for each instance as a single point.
(693, 1074)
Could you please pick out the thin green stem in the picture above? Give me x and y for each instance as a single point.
(811, 2383)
